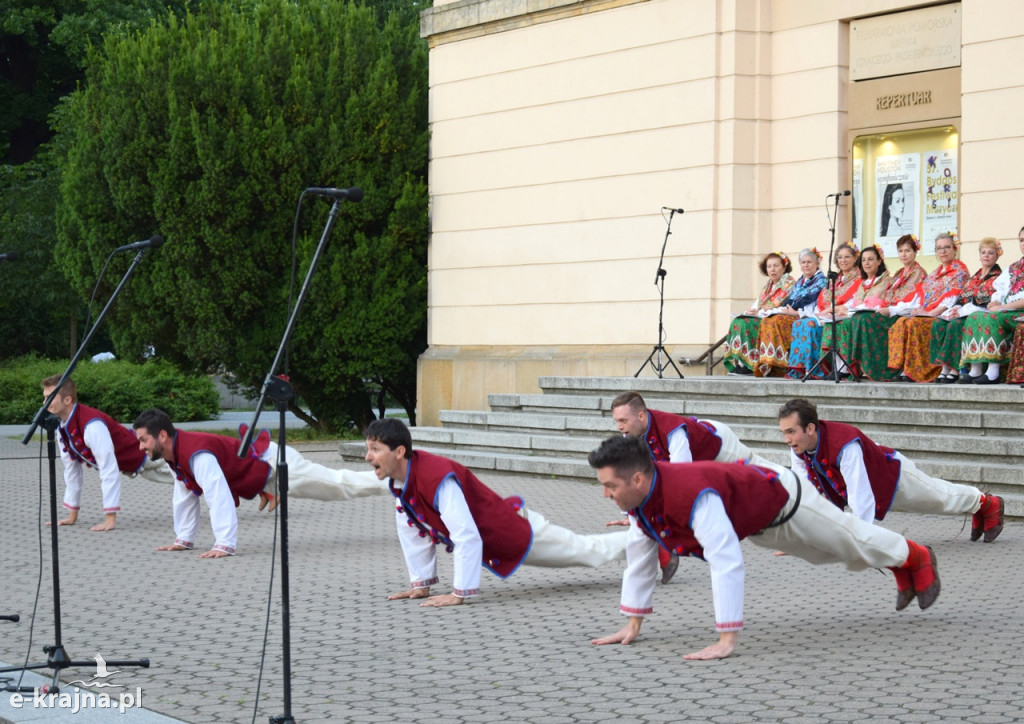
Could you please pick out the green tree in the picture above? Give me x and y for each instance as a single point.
(43, 45)
(206, 130)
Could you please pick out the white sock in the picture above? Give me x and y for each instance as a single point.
(975, 369)
(993, 371)
(945, 371)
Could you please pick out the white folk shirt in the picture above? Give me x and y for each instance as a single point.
(468, 552)
(223, 519)
(859, 496)
(97, 439)
(714, 531)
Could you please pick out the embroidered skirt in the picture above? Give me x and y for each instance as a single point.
(909, 339)
(741, 343)
(945, 347)
(1015, 372)
(987, 337)
(868, 345)
(774, 341)
(806, 347)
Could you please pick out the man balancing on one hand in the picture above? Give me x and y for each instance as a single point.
(706, 508)
(90, 438)
(850, 469)
(676, 439)
(440, 501)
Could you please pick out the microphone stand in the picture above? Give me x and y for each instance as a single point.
(279, 389)
(833, 355)
(57, 657)
(659, 348)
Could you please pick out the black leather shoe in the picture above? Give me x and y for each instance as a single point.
(983, 380)
(965, 379)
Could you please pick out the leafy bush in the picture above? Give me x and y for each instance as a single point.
(121, 389)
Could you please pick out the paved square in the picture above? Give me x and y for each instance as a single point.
(821, 644)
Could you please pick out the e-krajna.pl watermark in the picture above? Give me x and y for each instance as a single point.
(77, 700)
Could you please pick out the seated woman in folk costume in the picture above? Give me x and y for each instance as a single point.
(776, 333)
(867, 343)
(806, 347)
(987, 335)
(946, 346)
(869, 297)
(741, 342)
(910, 336)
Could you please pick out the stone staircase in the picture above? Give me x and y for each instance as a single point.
(966, 434)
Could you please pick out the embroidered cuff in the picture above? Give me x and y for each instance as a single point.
(728, 626)
(424, 583)
(112, 510)
(186, 544)
(71, 507)
(465, 593)
(635, 611)
(226, 549)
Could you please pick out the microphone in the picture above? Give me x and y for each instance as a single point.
(9, 256)
(353, 194)
(837, 194)
(154, 242)
(674, 211)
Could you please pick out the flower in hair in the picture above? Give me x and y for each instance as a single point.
(781, 255)
(816, 252)
(878, 249)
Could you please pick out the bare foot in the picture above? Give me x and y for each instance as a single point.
(70, 520)
(108, 524)
(411, 593)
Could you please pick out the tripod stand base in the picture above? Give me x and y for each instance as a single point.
(658, 367)
(58, 660)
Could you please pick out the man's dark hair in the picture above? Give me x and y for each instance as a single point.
(68, 389)
(633, 399)
(625, 454)
(392, 432)
(154, 420)
(805, 410)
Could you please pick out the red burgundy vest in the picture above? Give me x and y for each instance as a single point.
(882, 467)
(126, 446)
(506, 535)
(752, 496)
(246, 476)
(704, 443)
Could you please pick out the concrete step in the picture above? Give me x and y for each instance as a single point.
(577, 435)
(743, 389)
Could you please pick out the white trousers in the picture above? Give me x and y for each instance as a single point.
(558, 547)
(307, 479)
(732, 449)
(918, 492)
(819, 532)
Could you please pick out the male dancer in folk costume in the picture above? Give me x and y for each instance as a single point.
(441, 501)
(208, 465)
(676, 439)
(850, 469)
(706, 508)
(93, 439)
